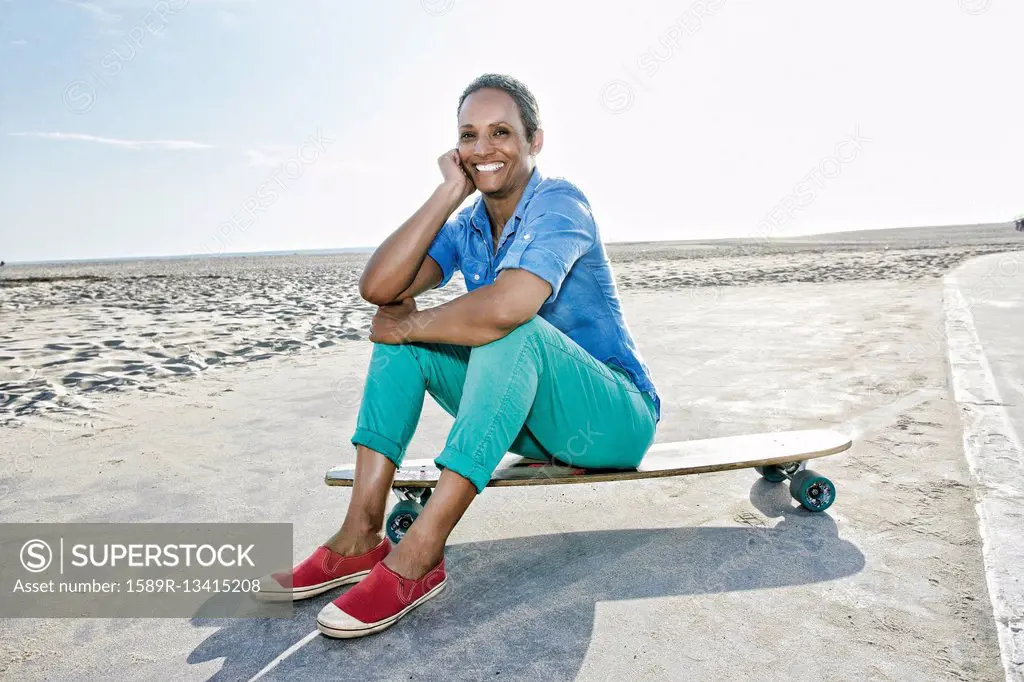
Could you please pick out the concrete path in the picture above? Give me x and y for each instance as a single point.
(984, 305)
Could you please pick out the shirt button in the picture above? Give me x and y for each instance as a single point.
(476, 276)
(526, 237)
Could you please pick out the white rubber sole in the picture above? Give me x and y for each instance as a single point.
(300, 593)
(371, 628)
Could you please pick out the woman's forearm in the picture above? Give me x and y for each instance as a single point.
(394, 264)
(473, 319)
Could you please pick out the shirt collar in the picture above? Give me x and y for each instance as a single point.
(481, 222)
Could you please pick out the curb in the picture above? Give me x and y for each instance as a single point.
(993, 452)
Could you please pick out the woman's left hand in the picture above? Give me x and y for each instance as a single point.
(393, 322)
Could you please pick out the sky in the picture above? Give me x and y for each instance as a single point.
(161, 127)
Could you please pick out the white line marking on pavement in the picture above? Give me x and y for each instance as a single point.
(288, 652)
(996, 460)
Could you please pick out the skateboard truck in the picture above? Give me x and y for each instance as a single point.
(813, 491)
(420, 495)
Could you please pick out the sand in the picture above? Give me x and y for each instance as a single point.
(74, 331)
(686, 578)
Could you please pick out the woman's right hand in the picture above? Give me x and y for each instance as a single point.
(455, 175)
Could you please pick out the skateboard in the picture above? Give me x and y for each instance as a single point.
(777, 457)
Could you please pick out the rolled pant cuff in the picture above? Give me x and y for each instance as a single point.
(464, 466)
(385, 446)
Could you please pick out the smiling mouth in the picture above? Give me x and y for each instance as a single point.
(489, 167)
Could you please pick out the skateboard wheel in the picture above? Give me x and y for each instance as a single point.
(812, 490)
(771, 474)
(400, 518)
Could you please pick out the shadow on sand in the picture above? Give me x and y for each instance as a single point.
(523, 608)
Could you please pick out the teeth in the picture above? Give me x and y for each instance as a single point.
(490, 167)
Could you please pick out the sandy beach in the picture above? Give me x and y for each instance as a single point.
(75, 331)
(222, 389)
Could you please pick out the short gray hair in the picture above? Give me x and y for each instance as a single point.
(524, 99)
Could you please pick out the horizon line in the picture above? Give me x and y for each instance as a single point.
(370, 249)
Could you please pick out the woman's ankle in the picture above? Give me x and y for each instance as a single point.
(353, 543)
(414, 559)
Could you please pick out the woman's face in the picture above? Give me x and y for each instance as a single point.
(492, 143)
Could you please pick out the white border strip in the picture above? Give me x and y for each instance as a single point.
(996, 460)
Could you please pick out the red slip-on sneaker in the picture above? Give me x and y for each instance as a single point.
(378, 602)
(323, 570)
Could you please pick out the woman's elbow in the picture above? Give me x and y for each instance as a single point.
(376, 299)
(371, 293)
(506, 316)
(514, 303)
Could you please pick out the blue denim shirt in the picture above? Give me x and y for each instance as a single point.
(553, 235)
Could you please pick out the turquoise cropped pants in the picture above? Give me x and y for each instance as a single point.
(534, 392)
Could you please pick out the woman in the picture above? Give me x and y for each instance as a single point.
(535, 359)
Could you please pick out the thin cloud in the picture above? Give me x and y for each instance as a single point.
(19, 43)
(274, 156)
(269, 156)
(173, 145)
(94, 9)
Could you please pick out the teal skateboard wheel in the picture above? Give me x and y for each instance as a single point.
(812, 490)
(400, 518)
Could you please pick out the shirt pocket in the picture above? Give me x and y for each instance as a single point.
(476, 272)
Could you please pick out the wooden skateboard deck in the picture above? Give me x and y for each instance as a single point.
(662, 459)
(776, 456)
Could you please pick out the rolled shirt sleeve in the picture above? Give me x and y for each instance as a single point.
(550, 242)
(444, 251)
